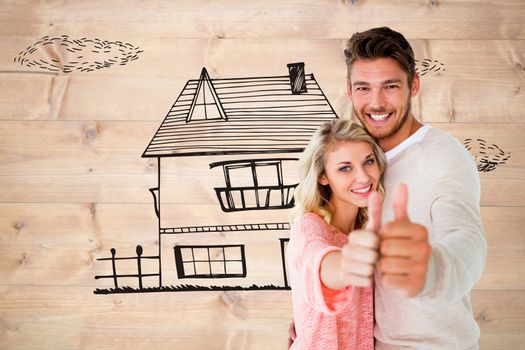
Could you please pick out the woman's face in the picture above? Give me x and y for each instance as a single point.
(351, 171)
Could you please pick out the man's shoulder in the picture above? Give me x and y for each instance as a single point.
(435, 135)
(443, 154)
(438, 143)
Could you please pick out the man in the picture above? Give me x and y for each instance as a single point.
(426, 270)
(433, 248)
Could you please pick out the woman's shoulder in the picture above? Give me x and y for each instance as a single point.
(310, 223)
(310, 218)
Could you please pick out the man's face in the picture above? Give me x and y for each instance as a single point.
(381, 97)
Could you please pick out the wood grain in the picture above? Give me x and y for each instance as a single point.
(223, 320)
(310, 19)
(94, 162)
(73, 184)
(40, 238)
(500, 315)
(479, 79)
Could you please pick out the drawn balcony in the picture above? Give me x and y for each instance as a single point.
(255, 198)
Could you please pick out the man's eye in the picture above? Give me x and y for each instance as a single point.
(392, 86)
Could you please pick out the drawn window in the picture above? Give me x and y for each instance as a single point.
(254, 185)
(213, 261)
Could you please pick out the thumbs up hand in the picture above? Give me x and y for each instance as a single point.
(360, 255)
(405, 250)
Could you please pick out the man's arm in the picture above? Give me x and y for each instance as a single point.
(441, 273)
(405, 250)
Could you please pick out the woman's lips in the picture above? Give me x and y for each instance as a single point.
(362, 191)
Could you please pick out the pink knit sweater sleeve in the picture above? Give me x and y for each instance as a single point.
(311, 240)
(325, 319)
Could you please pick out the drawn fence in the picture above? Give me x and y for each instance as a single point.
(139, 274)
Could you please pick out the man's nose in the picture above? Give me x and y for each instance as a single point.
(377, 100)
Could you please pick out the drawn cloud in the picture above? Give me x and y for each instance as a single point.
(63, 54)
(429, 66)
(487, 157)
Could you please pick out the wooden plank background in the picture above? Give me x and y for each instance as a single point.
(73, 184)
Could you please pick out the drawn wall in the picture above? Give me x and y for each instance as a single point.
(144, 199)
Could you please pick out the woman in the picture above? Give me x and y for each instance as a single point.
(330, 258)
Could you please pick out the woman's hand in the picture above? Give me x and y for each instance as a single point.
(355, 263)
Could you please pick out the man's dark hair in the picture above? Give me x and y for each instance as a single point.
(381, 43)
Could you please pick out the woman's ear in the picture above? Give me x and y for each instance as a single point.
(322, 180)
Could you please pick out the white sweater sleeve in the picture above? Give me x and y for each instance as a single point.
(459, 247)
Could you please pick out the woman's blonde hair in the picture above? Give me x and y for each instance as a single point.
(310, 195)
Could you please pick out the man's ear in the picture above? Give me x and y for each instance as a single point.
(414, 89)
(349, 88)
(322, 180)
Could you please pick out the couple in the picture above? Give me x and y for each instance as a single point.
(376, 263)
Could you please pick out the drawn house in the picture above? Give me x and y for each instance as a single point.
(227, 156)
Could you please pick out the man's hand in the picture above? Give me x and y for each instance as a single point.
(404, 249)
(360, 255)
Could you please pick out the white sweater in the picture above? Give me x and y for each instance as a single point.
(444, 194)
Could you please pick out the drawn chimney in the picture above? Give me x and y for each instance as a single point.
(297, 78)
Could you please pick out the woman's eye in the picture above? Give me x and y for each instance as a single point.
(370, 161)
(345, 169)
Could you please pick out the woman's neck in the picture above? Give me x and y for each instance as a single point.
(344, 219)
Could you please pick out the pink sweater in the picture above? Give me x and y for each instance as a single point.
(325, 319)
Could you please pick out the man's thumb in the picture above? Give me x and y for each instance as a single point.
(401, 202)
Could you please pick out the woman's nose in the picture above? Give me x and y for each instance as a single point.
(362, 175)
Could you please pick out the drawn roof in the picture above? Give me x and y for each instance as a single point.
(241, 116)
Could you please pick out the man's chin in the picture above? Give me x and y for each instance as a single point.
(374, 131)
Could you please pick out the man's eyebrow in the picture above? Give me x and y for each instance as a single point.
(392, 81)
(386, 82)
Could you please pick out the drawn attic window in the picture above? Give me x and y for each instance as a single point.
(254, 184)
(205, 104)
(211, 261)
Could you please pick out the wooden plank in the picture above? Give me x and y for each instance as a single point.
(36, 96)
(146, 88)
(497, 342)
(258, 19)
(59, 317)
(224, 58)
(25, 96)
(87, 181)
(73, 225)
(94, 162)
(500, 315)
(39, 238)
(73, 184)
(54, 317)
